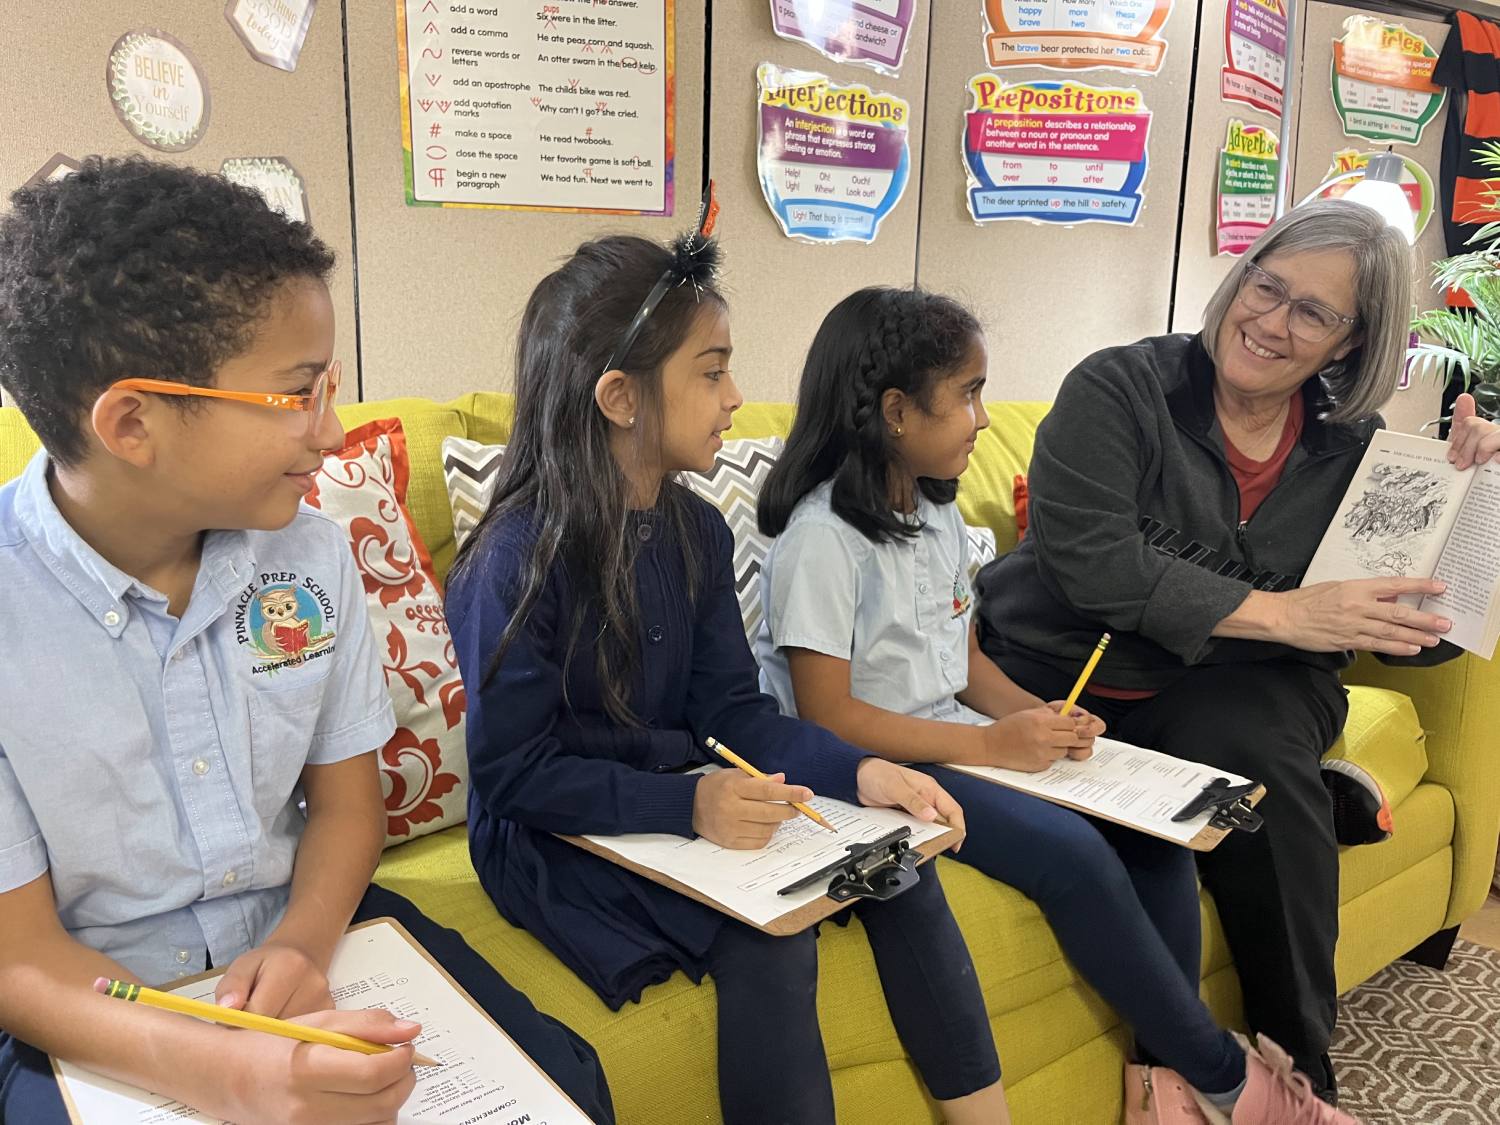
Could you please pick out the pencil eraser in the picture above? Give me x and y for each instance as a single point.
(101, 984)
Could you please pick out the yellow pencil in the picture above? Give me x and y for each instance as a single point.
(185, 1005)
(1088, 670)
(735, 760)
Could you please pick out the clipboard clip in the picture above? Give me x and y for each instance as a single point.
(1229, 803)
(879, 869)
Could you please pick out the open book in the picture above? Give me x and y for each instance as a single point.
(484, 1076)
(1410, 514)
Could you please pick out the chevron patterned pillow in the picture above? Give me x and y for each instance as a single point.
(981, 548)
(469, 472)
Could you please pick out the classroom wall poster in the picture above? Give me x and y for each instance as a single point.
(157, 90)
(1076, 34)
(562, 106)
(274, 177)
(1382, 81)
(833, 159)
(1055, 152)
(869, 33)
(1254, 69)
(273, 31)
(1416, 182)
(1248, 166)
(58, 165)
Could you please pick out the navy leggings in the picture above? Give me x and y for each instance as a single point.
(29, 1094)
(767, 991)
(1124, 907)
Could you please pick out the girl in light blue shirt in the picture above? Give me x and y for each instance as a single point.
(867, 631)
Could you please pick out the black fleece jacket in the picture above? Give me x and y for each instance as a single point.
(1135, 528)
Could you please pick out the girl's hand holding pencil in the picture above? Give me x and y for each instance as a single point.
(738, 810)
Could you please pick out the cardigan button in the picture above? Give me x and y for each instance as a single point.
(655, 634)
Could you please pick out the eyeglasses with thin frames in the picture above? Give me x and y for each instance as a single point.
(1310, 321)
(316, 404)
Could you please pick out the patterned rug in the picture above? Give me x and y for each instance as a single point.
(1415, 1046)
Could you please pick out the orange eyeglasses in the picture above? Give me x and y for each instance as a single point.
(316, 404)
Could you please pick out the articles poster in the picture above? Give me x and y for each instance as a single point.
(1055, 152)
(273, 31)
(564, 106)
(157, 90)
(1416, 182)
(833, 159)
(1254, 69)
(869, 33)
(1076, 34)
(1382, 81)
(1248, 165)
(275, 179)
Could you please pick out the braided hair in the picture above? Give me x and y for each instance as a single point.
(134, 268)
(875, 340)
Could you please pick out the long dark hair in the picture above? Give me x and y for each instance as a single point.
(873, 341)
(558, 466)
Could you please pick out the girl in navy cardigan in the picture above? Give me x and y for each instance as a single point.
(596, 624)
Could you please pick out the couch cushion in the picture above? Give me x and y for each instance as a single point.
(17, 443)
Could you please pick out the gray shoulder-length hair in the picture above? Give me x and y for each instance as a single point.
(1366, 378)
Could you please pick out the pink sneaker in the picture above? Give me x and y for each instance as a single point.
(1277, 1094)
(1155, 1095)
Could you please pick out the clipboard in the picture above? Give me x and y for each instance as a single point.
(1226, 803)
(799, 918)
(76, 1118)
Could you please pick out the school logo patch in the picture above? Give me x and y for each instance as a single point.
(285, 619)
(961, 598)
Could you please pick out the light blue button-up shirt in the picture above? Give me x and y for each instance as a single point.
(151, 765)
(898, 612)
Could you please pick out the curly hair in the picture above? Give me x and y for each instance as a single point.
(874, 340)
(134, 268)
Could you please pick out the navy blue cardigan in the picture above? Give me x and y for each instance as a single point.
(539, 765)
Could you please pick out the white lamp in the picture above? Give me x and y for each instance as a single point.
(1380, 190)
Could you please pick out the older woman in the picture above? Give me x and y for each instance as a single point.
(1179, 488)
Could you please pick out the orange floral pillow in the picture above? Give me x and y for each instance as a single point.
(424, 767)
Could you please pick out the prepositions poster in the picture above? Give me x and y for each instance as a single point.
(1055, 152)
(563, 106)
(1416, 182)
(1248, 166)
(274, 177)
(869, 33)
(157, 90)
(1254, 70)
(1076, 34)
(833, 159)
(1382, 81)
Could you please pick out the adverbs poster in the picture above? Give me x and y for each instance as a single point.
(833, 159)
(1382, 81)
(1076, 34)
(1055, 152)
(1254, 69)
(560, 106)
(1416, 182)
(1248, 165)
(869, 33)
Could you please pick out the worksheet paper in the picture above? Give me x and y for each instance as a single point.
(746, 882)
(1121, 782)
(484, 1077)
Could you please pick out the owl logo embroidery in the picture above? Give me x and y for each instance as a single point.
(961, 598)
(285, 623)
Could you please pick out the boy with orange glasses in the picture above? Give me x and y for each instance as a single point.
(169, 338)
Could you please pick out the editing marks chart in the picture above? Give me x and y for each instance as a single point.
(563, 105)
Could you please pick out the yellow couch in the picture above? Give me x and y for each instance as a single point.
(1061, 1046)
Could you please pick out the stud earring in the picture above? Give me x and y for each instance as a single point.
(631, 420)
(896, 432)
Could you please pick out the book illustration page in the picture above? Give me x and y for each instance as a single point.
(746, 881)
(484, 1077)
(1121, 782)
(1471, 565)
(1394, 519)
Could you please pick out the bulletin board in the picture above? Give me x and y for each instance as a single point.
(57, 100)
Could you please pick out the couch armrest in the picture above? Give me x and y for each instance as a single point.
(1458, 704)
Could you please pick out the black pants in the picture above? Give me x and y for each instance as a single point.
(1277, 890)
(772, 1066)
(29, 1094)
